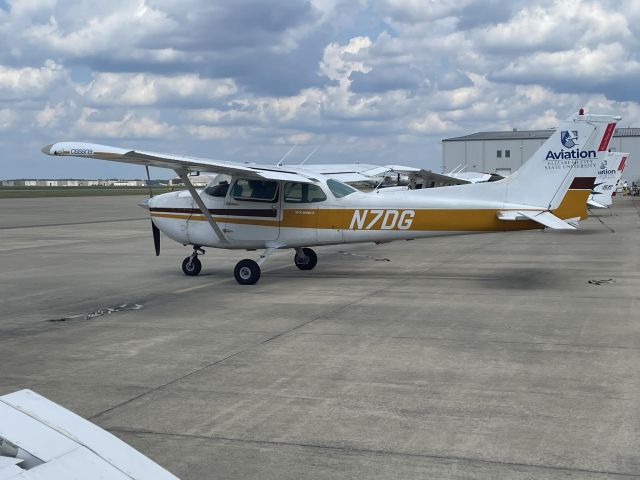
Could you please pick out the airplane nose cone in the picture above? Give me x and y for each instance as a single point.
(144, 204)
(47, 149)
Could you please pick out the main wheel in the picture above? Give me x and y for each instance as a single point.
(247, 272)
(308, 263)
(191, 266)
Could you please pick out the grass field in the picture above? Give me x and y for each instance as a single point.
(31, 192)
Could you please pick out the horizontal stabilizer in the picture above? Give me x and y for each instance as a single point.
(545, 218)
(593, 203)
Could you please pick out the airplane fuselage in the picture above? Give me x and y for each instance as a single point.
(354, 218)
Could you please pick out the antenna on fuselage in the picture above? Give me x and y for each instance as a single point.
(309, 156)
(279, 164)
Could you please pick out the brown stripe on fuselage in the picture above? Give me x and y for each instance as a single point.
(237, 212)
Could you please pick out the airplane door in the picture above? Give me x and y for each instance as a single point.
(300, 213)
(252, 210)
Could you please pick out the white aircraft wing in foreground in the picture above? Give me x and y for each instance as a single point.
(40, 440)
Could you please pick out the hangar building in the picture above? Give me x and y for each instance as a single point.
(504, 152)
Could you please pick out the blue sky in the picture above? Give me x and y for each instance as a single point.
(369, 81)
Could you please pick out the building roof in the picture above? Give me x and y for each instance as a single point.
(531, 134)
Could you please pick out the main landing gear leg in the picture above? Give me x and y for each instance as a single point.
(191, 265)
(247, 272)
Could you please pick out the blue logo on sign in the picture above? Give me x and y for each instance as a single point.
(569, 140)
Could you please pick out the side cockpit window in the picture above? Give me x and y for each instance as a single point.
(255, 190)
(296, 192)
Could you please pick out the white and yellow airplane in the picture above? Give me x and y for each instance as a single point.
(276, 207)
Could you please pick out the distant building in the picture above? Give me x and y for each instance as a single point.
(72, 182)
(197, 180)
(504, 152)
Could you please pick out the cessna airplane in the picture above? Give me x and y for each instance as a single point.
(607, 180)
(277, 207)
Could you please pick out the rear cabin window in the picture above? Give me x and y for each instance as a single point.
(340, 189)
(255, 190)
(295, 192)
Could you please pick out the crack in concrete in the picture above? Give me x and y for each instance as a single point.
(376, 452)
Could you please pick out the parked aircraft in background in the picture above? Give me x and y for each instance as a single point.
(277, 207)
(609, 174)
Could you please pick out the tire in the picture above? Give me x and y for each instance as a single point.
(247, 272)
(310, 262)
(190, 267)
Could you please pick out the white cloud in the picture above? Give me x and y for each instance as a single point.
(367, 79)
(131, 125)
(561, 26)
(51, 115)
(30, 82)
(338, 61)
(98, 28)
(7, 118)
(142, 89)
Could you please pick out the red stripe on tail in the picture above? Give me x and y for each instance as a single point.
(622, 164)
(608, 133)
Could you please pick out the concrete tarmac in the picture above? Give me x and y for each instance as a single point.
(485, 356)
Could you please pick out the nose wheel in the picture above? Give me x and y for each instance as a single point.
(192, 265)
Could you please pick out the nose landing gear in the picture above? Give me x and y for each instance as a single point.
(192, 265)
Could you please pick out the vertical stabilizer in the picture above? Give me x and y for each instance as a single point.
(574, 150)
(609, 174)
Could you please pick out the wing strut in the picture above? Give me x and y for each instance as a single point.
(203, 208)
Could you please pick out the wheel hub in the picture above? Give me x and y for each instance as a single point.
(245, 273)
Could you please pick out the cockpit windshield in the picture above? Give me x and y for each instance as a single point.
(340, 189)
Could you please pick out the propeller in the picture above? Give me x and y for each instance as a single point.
(155, 230)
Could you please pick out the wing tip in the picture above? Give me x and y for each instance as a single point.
(47, 149)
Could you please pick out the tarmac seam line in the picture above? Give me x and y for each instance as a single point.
(372, 451)
(473, 340)
(73, 223)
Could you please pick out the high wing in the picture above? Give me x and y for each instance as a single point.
(175, 162)
(356, 172)
(428, 177)
(40, 440)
